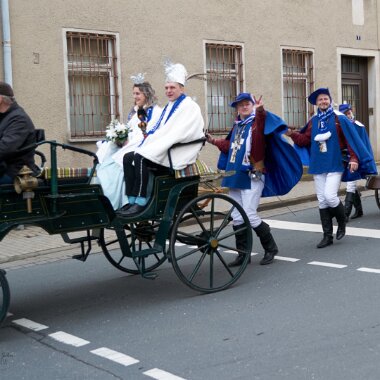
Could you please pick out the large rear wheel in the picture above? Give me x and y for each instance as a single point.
(202, 263)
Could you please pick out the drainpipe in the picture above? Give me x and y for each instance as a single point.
(7, 56)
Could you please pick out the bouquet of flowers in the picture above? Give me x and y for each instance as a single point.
(117, 132)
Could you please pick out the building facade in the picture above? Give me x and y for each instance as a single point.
(71, 61)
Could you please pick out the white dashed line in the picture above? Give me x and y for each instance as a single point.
(283, 258)
(72, 340)
(308, 227)
(115, 356)
(369, 270)
(159, 374)
(27, 323)
(235, 252)
(330, 265)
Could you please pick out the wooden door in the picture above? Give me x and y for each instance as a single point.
(355, 86)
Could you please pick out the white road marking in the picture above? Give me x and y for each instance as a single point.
(369, 270)
(115, 356)
(235, 252)
(308, 227)
(9, 314)
(27, 323)
(283, 258)
(159, 374)
(331, 265)
(72, 340)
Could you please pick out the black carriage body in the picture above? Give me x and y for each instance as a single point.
(145, 240)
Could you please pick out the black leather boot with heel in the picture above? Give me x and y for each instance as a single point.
(241, 246)
(267, 241)
(340, 216)
(348, 203)
(357, 205)
(327, 227)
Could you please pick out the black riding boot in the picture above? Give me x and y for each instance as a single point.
(348, 203)
(241, 245)
(338, 212)
(327, 228)
(268, 243)
(358, 206)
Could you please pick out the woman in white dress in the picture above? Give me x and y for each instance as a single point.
(145, 112)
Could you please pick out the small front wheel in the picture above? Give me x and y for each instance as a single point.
(203, 243)
(139, 236)
(5, 296)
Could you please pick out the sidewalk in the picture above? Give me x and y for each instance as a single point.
(33, 244)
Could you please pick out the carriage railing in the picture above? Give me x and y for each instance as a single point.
(54, 166)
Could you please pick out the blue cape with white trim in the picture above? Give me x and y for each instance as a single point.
(358, 141)
(282, 163)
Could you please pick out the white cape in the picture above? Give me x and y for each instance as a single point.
(185, 124)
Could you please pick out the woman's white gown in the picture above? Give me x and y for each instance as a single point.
(110, 168)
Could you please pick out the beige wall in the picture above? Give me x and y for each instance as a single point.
(151, 30)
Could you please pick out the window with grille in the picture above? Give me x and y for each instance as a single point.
(297, 85)
(224, 69)
(92, 79)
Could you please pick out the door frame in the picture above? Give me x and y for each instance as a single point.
(373, 70)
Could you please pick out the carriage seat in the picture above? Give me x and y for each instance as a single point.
(67, 175)
(198, 168)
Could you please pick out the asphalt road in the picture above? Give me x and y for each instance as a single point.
(313, 314)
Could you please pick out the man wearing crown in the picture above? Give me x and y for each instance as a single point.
(180, 122)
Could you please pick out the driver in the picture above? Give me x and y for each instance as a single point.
(16, 132)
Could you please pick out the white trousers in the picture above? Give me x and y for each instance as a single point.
(327, 187)
(351, 186)
(249, 199)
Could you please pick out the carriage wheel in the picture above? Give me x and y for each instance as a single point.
(4, 296)
(202, 263)
(377, 198)
(142, 237)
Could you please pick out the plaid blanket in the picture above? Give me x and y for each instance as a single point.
(199, 168)
(67, 172)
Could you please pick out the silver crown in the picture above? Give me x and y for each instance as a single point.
(138, 78)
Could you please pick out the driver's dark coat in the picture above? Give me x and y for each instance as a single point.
(16, 131)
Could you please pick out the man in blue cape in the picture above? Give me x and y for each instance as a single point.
(352, 193)
(264, 163)
(330, 145)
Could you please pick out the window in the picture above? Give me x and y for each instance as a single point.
(93, 85)
(297, 85)
(224, 70)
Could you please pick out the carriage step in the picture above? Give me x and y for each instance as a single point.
(146, 252)
(150, 275)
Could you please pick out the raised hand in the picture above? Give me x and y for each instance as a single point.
(258, 102)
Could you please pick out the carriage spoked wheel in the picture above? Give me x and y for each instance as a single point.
(140, 235)
(210, 243)
(377, 198)
(4, 296)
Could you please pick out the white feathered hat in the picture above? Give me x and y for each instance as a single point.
(175, 72)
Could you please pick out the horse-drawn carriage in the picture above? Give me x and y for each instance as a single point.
(192, 230)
